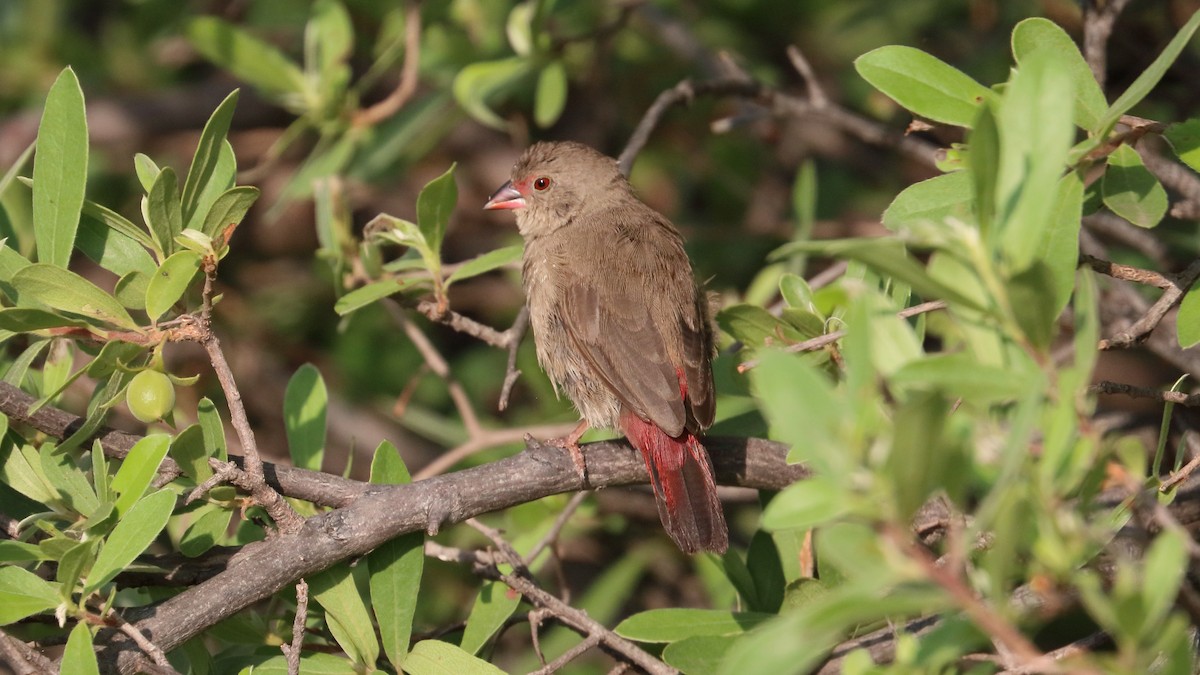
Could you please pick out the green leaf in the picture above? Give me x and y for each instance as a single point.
(60, 170)
(1187, 323)
(669, 625)
(111, 248)
(188, 450)
(207, 164)
(146, 169)
(698, 654)
(396, 566)
(435, 204)
(919, 458)
(118, 222)
(1166, 565)
(1042, 34)
(310, 664)
(138, 469)
(73, 564)
(163, 214)
(809, 503)
(62, 472)
(328, 36)
(434, 657)
(23, 593)
(888, 257)
(961, 376)
(387, 466)
(983, 164)
(494, 604)
(214, 430)
(931, 201)
(79, 658)
(1131, 191)
(170, 282)
(1149, 77)
(44, 284)
(1035, 138)
(551, 95)
(756, 327)
(366, 295)
(209, 524)
(30, 319)
(136, 530)
(1184, 138)
(247, 57)
(229, 209)
(802, 409)
(477, 85)
(305, 404)
(346, 613)
(924, 84)
(486, 262)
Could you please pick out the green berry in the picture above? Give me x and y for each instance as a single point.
(150, 396)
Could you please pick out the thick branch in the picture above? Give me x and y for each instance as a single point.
(383, 512)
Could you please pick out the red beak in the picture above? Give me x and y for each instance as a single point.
(507, 197)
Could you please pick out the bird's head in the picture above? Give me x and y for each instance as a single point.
(553, 183)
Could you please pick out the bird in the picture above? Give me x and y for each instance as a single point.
(620, 324)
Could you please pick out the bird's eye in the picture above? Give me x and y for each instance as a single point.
(541, 183)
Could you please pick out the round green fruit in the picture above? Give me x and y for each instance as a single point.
(150, 396)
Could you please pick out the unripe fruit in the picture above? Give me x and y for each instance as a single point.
(150, 396)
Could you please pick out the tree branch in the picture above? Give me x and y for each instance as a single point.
(383, 512)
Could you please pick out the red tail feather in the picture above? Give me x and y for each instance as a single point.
(682, 476)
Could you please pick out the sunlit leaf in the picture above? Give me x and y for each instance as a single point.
(60, 170)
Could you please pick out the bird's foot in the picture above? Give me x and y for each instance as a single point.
(570, 443)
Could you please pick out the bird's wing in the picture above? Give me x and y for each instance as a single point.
(611, 326)
(696, 354)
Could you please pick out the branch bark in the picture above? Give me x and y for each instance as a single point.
(383, 512)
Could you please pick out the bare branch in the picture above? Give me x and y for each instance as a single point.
(23, 659)
(514, 334)
(1178, 284)
(523, 582)
(829, 338)
(1098, 19)
(292, 651)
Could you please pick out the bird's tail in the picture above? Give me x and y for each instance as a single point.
(682, 476)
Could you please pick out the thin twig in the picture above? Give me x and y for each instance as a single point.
(292, 651)
(281, 512)
(1134, 334)
(816, 93)
(199, 329)
(568, 656)
(578, 620)
(551, 536)
(514, 334)
(437, 363)
(1098, 19)
(1184, 471)
(1126, 272)
(156, 655)
(1004, 634)
(462, 324)
(1134, 391)
(685, 91)
(409, 74)
(21, 658)
(829, 338)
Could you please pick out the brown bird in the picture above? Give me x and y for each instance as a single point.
(620, 324)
